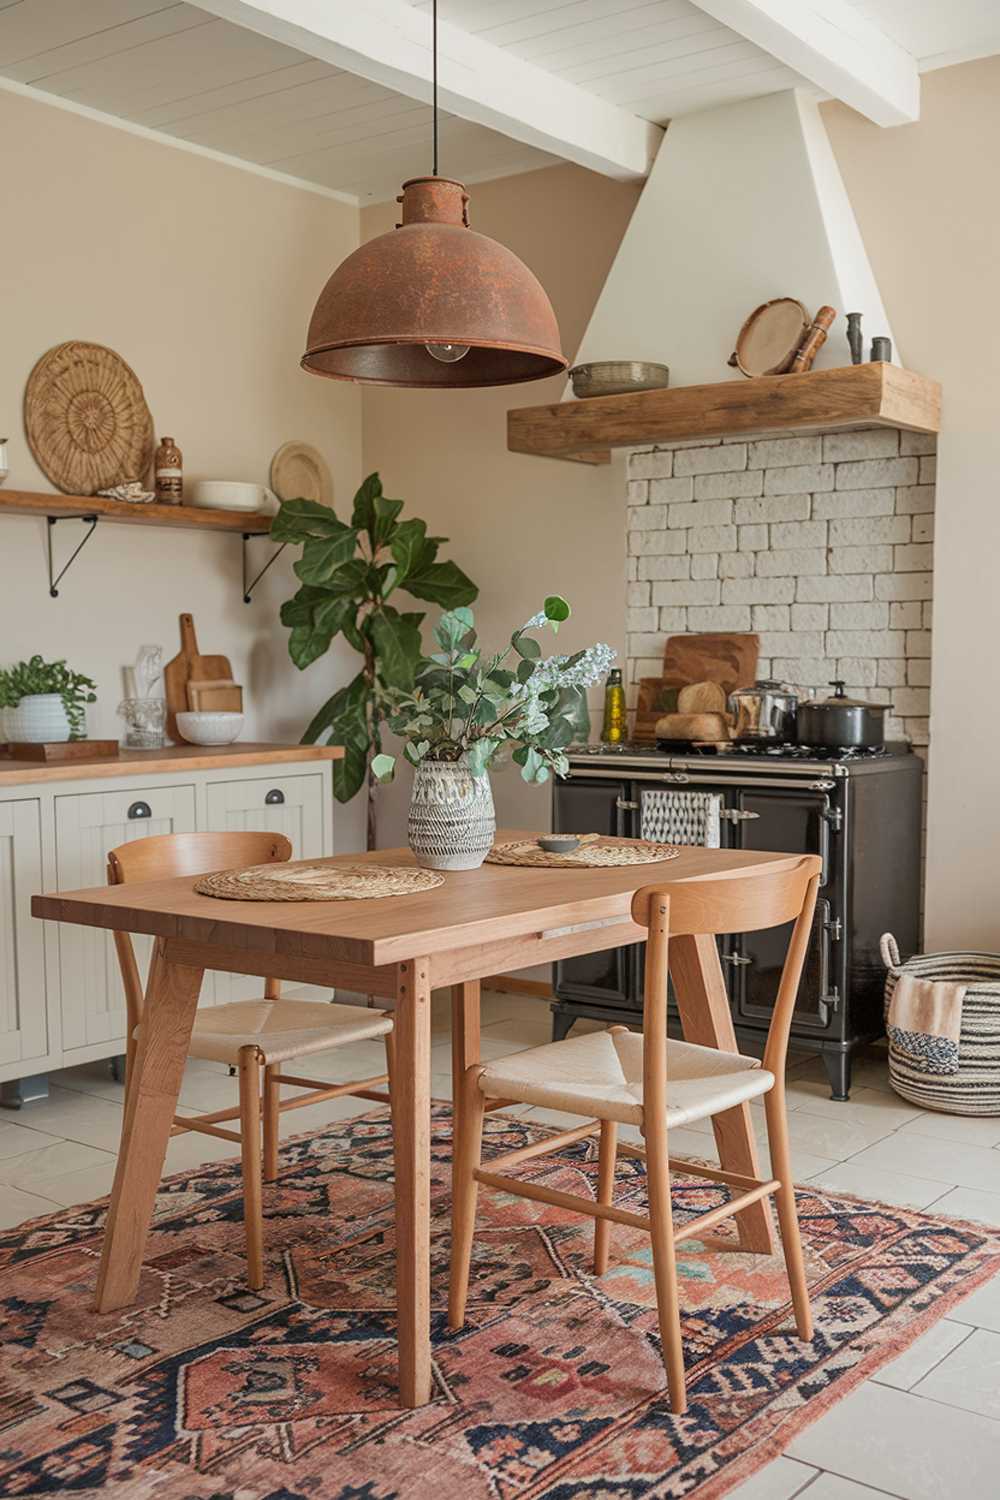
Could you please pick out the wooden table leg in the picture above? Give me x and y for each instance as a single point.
(151, 1103)
(465, 1043)
(706, 1019)
(411, 1121)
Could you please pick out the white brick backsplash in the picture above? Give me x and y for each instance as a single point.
(915, 499)
(786, 534)
(866, 643)
(826, 590)
(904, 586)
(663, 567)
(923, 528)
(917, 442)
(915, 559)
(792, 643)
(736, 565)
(641, 619)
(729, 486)
(711, 460)
(656, 543)
(928, 471)
(919, 731)
(793, 563)
(770, 617)
(906, 616)
(631, 569)
(912, 702)
(918, 643)
(860, 559)
(891, 672)
(637, 594)
(637, 491)
(703, 591)
(801, 671)
(779, 453)
(753, 538)
(710, 538)
(874, 616)
(774, 508)
(670, 491)
(798, 477)
(810, 616)
(918, 672)
(672, 620)
(862, 531)
(928, 613)
(758, 591)
(870, 442)
(658, 464)
(842, 504)
(647, 645)
(719, 617)
(705, 565)
(649, 518)
(860, 669)
(874, 473)
(703, 513)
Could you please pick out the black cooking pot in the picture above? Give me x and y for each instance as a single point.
(841, 723)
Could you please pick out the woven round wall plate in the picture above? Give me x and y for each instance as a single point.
(604, 854)
(86, 417)
(317, 882)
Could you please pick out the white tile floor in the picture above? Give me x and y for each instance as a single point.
(927, 1427)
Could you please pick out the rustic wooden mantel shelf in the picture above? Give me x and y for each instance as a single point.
(871, 395)
(185, 517)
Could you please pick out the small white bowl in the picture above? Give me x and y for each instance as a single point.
(232, 494)
(209, 728)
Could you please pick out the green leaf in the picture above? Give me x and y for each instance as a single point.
(480, 753)
(347, 699)
(527, 647)
(321, 560)
(556, 610)
(411, 548)
(299, 609)
(350, 772)
(525, 671)
(384, 520)
(363, 517)
(452, 627)
(303, 520)
(467, 694)
(397, 647)
(383, 767)
(442, 583)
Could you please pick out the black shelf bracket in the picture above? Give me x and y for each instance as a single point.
(91, 524)
(251, 584)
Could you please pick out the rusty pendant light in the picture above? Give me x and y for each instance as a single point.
(432, 303)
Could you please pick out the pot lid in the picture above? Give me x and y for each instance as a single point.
(839, 699)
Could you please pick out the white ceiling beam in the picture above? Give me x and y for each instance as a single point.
(835, 47)
(389, 43)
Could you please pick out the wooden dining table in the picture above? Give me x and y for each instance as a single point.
(477, 923)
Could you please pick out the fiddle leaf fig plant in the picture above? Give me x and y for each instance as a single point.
(28, 678)
(348, 574)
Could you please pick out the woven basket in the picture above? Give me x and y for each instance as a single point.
(975, 1088)
(86, 418)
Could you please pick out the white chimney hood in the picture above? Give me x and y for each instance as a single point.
(744, 203)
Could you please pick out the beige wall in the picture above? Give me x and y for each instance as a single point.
(521, 527)
(202, 277)
(925, 199)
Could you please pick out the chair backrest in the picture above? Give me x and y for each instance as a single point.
(731, 903)
(163, 855)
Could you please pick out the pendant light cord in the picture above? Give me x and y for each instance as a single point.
(434, 48)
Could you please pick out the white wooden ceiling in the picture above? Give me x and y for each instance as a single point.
(176, 68)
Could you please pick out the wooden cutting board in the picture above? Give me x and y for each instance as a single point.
(726, 657)
(189, 666)
(215, 696)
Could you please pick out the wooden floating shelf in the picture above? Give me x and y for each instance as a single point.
(179, 517)
(872, 395)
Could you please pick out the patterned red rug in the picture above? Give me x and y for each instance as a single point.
(554, 1390)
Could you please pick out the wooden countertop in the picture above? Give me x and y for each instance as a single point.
(170, 760)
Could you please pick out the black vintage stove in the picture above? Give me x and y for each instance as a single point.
(858, 809)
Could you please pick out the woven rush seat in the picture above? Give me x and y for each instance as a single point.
(281, 1029)
(600, 1074)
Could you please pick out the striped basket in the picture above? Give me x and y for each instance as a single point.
(975, 1088)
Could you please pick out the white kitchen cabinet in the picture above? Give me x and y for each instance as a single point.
(24, 1022)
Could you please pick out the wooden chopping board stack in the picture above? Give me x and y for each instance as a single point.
(193, 681)
(688, 702)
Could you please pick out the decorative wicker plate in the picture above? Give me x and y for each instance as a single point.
(300, 472)
(317, 882)
(606, 852)
(86, 417)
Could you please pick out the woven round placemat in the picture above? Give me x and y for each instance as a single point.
(317, 882)
(86, 417)
(597, 855)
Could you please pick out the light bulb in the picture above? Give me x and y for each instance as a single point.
(448, 354)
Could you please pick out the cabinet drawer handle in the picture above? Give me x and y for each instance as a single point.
(140, 810)
(274, 798)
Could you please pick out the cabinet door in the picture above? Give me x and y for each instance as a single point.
(292, 805)
(24, 1032)
(88, 824)
(580, 806)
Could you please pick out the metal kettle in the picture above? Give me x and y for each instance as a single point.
(765, 711)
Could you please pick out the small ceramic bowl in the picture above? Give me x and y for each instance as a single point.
(209, 728)
(559, 843)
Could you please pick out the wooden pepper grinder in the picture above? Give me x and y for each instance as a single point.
(168, 473)
(814, 340)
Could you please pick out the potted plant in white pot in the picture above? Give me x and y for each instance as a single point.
(465, 711)
(44, 700)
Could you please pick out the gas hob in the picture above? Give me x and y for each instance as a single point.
(734, 760)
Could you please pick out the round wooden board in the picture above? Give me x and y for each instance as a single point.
(769, 339)
(86, 418)
(306, 882)
(300, 472)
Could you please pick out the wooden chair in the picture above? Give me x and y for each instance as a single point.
(623, 1077)
(255, 1037)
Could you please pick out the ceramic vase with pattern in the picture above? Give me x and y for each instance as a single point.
(452, 822)
(38, 719)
